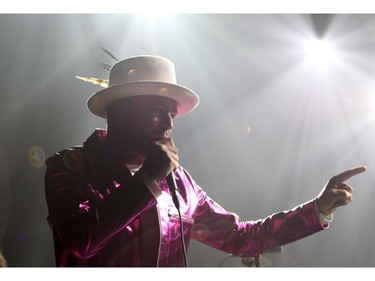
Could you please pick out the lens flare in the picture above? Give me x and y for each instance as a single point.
(36, 156)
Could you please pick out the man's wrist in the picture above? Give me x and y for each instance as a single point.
(323, 218)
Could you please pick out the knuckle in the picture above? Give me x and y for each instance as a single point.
(334, 179)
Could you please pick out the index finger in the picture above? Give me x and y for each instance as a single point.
(350, 173)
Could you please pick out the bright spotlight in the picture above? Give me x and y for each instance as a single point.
(320, 52)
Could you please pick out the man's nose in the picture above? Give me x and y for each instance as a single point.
(167, 122)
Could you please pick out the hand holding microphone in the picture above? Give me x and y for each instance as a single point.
(162, 158)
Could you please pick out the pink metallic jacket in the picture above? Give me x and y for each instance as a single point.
(101, 215)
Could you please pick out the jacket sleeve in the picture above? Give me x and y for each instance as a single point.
(82, 218)
(224, 230)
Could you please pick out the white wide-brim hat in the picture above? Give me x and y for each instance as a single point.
(142, 75)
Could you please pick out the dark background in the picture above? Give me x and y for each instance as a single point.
(272, 126)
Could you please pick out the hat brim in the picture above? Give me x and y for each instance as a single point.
(186, 99)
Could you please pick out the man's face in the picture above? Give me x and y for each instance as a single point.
(141, 119)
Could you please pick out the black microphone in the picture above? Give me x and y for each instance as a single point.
(173, 188)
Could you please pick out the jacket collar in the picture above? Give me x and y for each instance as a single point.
(100, 157)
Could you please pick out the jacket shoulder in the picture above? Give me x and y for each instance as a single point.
(73, 158)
